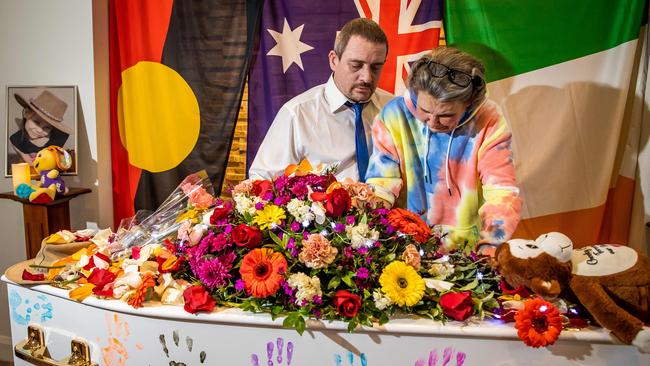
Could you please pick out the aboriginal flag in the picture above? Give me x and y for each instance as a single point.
(177, 73)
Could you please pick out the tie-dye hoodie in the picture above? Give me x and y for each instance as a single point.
(484, 204)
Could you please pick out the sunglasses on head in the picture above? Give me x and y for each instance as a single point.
(455, 76)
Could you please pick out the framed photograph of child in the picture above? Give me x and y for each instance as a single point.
(38, 117)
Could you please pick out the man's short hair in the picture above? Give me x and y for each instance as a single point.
(362, 27)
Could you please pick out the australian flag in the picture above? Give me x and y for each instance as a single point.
(295, 37)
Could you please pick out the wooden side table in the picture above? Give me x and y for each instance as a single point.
(43, 219)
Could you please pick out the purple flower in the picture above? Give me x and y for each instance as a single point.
(317, 300)
(350, 220)
(287, 289)
(212, 243)
(473, 256)
(362, 250)
(214, 273)
(369, 259)
(383, 221)
(389, 229)
(339, 228)
(280, 183)
(362, 273)
(299, 189)
(347, 251)
(268, 196)
(282, 200)
(381, 211)
(239, 285)
(317, 313)
(305, 235)
(259, 206)
(295, 226)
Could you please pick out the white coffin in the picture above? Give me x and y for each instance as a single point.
(120, 335)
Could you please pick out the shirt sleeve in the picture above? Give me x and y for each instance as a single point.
(278, 149)
(500, 212)
(384, 168)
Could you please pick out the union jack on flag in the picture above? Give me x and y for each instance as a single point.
(295, 37)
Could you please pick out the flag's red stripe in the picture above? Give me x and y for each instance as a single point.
(137, 33)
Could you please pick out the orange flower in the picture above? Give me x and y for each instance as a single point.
(262, 270)
(138, 297)
(409, 223)
(538, 323)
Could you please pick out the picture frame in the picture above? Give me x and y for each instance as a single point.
(53, 121)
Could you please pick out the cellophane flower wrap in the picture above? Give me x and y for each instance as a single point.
(302, 245)
(193, 196)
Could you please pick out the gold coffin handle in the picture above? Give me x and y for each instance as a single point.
(34, 351)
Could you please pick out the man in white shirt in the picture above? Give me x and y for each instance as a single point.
(328, 123)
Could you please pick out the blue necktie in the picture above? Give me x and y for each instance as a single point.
(360, 140)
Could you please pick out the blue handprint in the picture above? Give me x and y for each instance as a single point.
(270, 346)
(24, 311)
(350, 356)
(447, 354)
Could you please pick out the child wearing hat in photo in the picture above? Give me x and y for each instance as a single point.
(41, 126)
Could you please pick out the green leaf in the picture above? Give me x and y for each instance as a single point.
(334, 283)
(348, 279)
(275, 238)
(300, 324)
(470, 285)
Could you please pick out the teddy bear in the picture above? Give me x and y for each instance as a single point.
(611, 281)
(49, 162)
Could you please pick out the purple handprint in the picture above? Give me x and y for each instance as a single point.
(270, 346)
(447, 355)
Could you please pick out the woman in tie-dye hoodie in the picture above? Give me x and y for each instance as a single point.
(443, 150)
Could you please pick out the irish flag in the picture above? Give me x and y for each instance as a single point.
(565, 74)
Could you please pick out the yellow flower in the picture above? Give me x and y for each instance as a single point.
(271, 214)
(402, 284)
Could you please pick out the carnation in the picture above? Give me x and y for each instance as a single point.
(381, 301)
(440, 270)
(300, 211)
(319, 212)
(360, 234)
(317, 252)
(243, 187)
(307, 287)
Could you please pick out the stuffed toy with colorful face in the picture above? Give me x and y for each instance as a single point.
(49, 162)
(611, 281)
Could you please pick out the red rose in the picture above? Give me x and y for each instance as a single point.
(262, 187)
(457, 305)
(338, 202)
(247, 236)
(197, 298)
(101, 277)
(220, 213)
(346, 303)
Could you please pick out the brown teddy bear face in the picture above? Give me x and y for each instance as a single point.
(538, 271)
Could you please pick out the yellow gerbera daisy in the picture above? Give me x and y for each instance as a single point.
(402, 284)
(271, 214)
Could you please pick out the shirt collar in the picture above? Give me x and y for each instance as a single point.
(337, 100)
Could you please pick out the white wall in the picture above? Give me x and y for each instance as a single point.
(47, 42)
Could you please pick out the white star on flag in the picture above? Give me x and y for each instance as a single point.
(288, 46)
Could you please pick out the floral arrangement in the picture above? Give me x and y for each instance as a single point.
(302, 245)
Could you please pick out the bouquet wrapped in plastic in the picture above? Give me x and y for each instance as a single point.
(193, 196)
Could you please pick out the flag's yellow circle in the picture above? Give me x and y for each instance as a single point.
(158, 116)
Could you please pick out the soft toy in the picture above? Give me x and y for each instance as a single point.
(48, 162)
(611, 281)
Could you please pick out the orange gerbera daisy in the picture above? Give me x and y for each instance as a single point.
(538, 323)
(409, 223)
(262, 270)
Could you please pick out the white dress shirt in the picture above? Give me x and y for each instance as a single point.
(316, 125)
